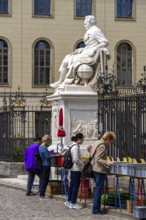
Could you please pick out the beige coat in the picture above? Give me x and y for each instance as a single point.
(99, 162)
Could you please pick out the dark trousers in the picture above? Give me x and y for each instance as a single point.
(44, 179)
(74, 186)
(31, 176)
(99, 181)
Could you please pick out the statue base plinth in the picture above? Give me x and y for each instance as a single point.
(79, 90)
(79, 105)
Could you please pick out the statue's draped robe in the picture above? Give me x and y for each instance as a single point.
(92, 38)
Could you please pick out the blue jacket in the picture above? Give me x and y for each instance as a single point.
(45, 155)
(29, 158)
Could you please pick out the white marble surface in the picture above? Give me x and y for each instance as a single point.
(79, 112)
(84, 65)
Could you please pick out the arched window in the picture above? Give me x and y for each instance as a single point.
(42, 63)
(80, 45)
(3, 62)
(124, 64)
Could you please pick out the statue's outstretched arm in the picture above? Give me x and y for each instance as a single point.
(77, 51)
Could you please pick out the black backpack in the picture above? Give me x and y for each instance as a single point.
(38, 159)
(67, 162)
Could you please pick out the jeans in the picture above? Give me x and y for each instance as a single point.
(99, 181)
(74, 186)
(44, 179)
(31, 175)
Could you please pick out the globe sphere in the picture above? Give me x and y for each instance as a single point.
(85, 72)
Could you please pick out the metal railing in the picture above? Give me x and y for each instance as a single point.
(125, 114)
(18, 127)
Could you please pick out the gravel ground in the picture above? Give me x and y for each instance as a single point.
(15, 205)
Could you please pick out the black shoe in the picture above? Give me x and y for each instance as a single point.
(31, 194)
(99, 213)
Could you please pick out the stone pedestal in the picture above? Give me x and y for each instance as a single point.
(79, 105)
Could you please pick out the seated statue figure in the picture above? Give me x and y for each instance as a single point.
(93, 54)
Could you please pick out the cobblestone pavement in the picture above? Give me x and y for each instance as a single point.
(15, 205)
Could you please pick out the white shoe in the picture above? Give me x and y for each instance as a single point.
(43, 198)
(67, 203)
(75, 206)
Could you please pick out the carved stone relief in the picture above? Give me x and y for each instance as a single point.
(85, 122)
(55, 114)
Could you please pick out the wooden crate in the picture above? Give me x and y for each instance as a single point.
(54, 188)
(130, 204)
(82, 193)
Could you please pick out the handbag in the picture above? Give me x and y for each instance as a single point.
(87, 171)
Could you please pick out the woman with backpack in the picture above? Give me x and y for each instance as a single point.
(75, 172)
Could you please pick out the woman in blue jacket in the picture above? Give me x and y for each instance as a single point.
(46, 164)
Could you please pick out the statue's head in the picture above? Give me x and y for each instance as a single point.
(89, 21)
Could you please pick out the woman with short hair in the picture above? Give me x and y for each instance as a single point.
(100, 167)
(46, 165)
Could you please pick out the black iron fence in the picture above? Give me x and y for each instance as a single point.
(125, 114)
(18, 127)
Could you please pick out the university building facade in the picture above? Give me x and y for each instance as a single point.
(35, 35)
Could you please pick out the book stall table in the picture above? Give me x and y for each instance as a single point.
(134, 172)
(56, 164)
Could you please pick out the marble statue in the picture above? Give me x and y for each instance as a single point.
(84, 64)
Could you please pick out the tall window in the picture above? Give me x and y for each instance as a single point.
(42, 7)
(83, 8)
(3, 62)
(124, 8)
(124, 64)
(80, 45)
(4, 7)
(42, 63)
